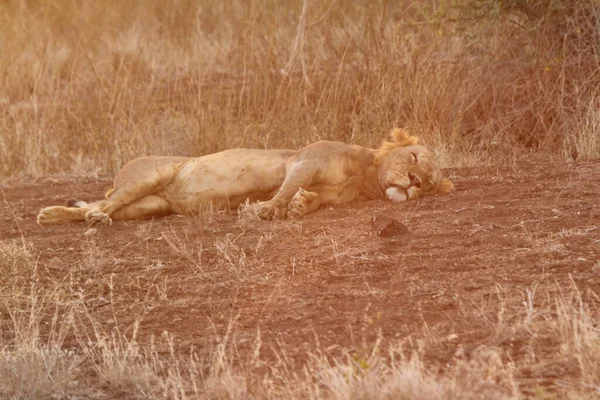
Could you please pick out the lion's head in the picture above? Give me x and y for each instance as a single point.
(407, 170)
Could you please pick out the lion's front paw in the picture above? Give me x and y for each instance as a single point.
(303, 203)
(94, 216)
(298, 207)
(296, 210)
(268, 211)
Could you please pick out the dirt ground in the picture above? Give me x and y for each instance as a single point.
(329, 279)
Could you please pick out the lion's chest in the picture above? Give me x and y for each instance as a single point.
(343, 179)
(338, 186)
(336, 194)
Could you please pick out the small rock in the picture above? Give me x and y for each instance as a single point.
(385, 226)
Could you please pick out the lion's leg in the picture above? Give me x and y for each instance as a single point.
(300, 174)
(147, 206)
(102, 211)
(139, 178)
(147, 179)
(75, 210)
(303, 202)
(60, 215)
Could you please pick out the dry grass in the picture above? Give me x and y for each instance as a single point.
(179, 246)
(232, 256)
(99, 361)
(87, 86)
(248, 214)
(15, 262)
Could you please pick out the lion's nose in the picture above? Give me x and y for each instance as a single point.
(414, 181)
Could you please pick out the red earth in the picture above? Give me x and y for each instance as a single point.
(329, 280)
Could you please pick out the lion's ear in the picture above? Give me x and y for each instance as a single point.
(445, 186)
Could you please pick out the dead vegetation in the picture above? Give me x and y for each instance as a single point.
(88, 86)
(53, 346)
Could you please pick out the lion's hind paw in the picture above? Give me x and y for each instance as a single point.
(49, 216)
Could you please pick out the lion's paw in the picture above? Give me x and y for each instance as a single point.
(299, 206)
(268, 211)
(295, 211)
(47, 216)
(94, 216)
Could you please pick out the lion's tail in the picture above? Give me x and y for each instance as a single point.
(74, 203)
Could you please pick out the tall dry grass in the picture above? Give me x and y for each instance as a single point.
(86, 86)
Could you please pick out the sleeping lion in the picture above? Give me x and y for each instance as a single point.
(288, 183)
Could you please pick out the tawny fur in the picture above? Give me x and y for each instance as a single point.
(284, 182)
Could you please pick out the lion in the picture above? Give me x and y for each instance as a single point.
(284, 183)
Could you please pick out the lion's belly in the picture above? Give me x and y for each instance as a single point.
(228, 178)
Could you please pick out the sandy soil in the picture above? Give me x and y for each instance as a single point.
(328, 279)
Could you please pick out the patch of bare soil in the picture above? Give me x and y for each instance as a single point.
(329, 279)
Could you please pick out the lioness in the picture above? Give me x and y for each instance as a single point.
(285, 182)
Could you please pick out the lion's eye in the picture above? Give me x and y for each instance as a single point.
(414, 156)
